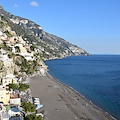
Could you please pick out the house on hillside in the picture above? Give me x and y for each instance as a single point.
(22, 49)
(1, 33)
(12, 39)
(28, 49)
(15, 99)
(3, 36)
(4, 95)
(9, 79)
(12, 33)
(21, 41)
(7, 97)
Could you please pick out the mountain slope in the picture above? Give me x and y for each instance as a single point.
(50, 46)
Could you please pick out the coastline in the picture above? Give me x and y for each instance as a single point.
(84, 99)
(62, 102)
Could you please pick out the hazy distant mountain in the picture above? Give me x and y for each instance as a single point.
(50, 46)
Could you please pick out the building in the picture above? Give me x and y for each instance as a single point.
(9, 79)
(22, 49)
(4, 95)
(12, 39)
(15, 99)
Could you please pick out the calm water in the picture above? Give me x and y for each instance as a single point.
(95, 77)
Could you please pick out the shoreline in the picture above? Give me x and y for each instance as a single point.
(82, 97)
(72, 102)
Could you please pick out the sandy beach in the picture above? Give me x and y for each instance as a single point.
(60, 102)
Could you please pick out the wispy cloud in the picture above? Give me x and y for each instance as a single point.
(33, 3)
(15, 5)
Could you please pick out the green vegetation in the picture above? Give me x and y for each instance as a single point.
(33, 117)
(4, 19)
(3, 22)
(28, 67)
(15, 72)
(23, 87)
(20, 87)
(8, 33)
(28, 107)
(13, 86)
(6, 47)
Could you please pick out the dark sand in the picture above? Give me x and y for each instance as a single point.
(63, 103)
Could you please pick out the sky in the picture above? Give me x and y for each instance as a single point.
(93, 25)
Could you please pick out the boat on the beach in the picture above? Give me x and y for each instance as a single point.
(39, 106)
(36, 101)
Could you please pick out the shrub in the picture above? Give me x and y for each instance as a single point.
(33, 117)
(8, 33)
(28, 107)
(23, 87)
(13, 86)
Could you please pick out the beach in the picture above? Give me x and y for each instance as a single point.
(61, 102)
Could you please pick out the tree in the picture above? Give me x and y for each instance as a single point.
(28, 107)
(23, 87)
(13, 86)
(33, 117)
(8, 33)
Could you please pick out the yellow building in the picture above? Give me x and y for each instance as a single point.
(9, 79)
(8, 98)
(4, 95)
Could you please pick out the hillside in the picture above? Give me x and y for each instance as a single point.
(50, 46)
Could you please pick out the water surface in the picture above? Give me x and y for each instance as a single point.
(95, 77)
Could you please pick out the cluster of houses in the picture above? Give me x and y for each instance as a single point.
(9, 99)
(16, 41)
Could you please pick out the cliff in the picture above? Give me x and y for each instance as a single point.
(50, 46)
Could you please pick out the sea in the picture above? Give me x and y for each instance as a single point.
(95, 77)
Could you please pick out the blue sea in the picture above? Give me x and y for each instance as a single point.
(96, 77)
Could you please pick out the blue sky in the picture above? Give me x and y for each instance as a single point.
(93, 25)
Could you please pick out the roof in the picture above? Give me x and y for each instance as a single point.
(15, 109)
(15, 118)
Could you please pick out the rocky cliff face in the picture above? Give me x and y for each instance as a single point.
(50, 46)
(16, 55)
